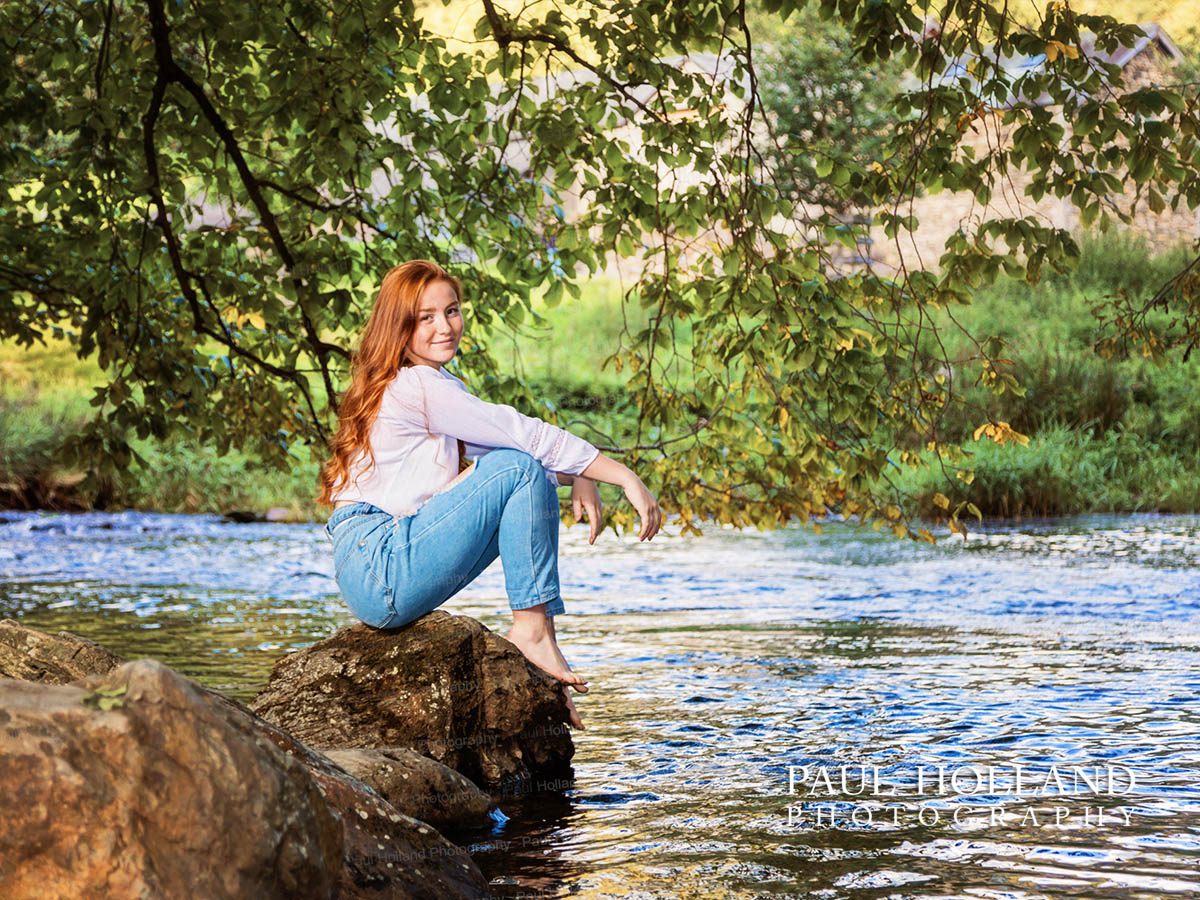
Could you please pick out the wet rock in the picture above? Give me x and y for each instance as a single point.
(444, 686)
(416, 785)
(244, 516)
(131, 784)
(387, 853)
(61, 658)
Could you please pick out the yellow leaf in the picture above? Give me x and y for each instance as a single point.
(941, 500)
(1001, 433)
(1052, 49)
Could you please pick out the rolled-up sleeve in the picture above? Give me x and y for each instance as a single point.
(451, 409)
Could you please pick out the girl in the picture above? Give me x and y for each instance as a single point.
(413, 523)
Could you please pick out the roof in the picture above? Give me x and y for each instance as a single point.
(1017, 65)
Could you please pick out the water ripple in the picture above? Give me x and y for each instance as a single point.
(724, 666)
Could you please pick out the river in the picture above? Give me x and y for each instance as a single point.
(771, 715)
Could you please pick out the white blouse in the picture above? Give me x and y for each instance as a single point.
(414, 439)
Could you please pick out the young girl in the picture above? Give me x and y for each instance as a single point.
(413, 523)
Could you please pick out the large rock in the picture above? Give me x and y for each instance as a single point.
(61, 658)
(177, 790)
(417, 785)
(444, 686)
(157, 796)
(387, 853)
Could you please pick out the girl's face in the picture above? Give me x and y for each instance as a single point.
(439, 326)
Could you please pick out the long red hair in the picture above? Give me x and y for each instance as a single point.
(380, 353)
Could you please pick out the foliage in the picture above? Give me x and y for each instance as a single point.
(1049, 328)
(237, 332)
(824, 105)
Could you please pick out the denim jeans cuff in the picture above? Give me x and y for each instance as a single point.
(554, 606)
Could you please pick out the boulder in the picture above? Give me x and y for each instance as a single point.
(133, 786)
(444, 686)
(417, 786)
(61, 658)
(142, 782)
(387, 853)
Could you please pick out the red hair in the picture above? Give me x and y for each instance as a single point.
(381, 352)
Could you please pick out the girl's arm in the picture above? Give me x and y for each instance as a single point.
(608, 470)
(445, 406)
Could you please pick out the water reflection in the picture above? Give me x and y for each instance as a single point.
(721, 664)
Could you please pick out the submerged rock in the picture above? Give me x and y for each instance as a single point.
(445, 686)
(32, 655)
(417, 785)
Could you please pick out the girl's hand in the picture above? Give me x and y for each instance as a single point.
(584, 496)
(647, 507)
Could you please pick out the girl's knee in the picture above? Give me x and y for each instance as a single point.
(508, 456)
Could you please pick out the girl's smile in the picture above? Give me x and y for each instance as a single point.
(439, 326)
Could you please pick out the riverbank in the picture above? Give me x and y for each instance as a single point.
(1106, 435)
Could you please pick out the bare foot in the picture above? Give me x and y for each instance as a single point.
(542, 650)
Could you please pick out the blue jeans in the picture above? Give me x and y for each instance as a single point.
(393, 570)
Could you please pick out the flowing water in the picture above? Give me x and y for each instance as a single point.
(771, 715)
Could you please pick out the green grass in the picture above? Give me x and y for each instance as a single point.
(1062, 472)
(1107, 435)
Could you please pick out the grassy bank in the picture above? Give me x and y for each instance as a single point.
(1063, 472)
(1107, 435)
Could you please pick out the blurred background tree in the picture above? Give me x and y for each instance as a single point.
(825, 104)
